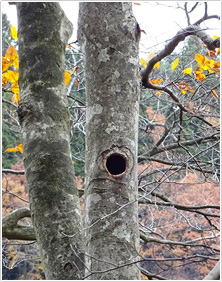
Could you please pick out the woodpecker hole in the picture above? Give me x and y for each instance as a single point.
(116, 165)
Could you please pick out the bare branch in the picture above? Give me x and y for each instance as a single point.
(10, 103)
(206, 17)
(169, 48)
(13, 171)
(150, 275)
(190, 243)
(185, 143)
(164, 198)
(14, 195)
(194, 7)
(187, 13)
(174, 166)
(180, 207)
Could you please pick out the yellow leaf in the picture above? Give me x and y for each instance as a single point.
(12, 76)
(199, 70)
(218, 51)
(200, 76)
(215, 37)
(67, 78)
(184, 91)
(209, 62)
(11, 150)
(175, 63)
(159, 93)
(149, 57)
(5, 64)
(74, 70)
(15, 88)
(208, 65)
(157, 65)
(70, 71)
(20, 148)
(40, 267)
(143, 62)
(16, 149)
(157, 81)
(13, 32)
(187, 71)
(199, 58)
(11, 53)
(188, 88)
(217, 65)
(4, 80)
(16, 98)
(16, 63)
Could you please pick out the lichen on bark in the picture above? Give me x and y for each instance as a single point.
(112, 96)
(43, 32)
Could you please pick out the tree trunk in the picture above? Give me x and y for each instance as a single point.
(43, 113)
(109, 36)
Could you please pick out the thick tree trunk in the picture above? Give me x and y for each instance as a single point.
(54, 201)
(109, 35)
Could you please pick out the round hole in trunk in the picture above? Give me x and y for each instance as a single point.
(116, 164)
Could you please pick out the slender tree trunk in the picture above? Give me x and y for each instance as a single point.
(43, 33)
(109, 35)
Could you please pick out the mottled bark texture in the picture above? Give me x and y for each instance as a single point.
(43, 31)
(109, 35)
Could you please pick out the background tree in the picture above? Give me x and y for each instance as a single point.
(178, 154)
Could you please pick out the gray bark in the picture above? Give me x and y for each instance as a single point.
(43, 31)
(109, 35)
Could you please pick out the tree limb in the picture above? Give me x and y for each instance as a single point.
(169, 48)
(151, 276)
(169, 203)
(200, 140)
(13, 171)
(10, 103)
(190, 243)
(12, 230)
